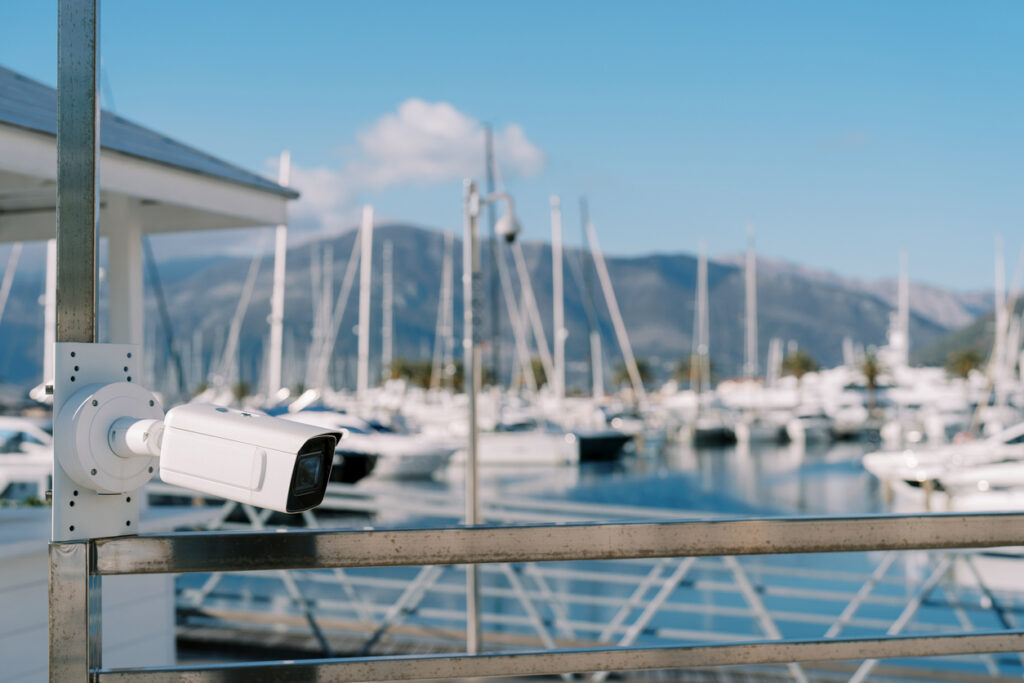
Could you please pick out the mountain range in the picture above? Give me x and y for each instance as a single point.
(814, 309)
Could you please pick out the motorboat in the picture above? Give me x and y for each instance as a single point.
(918, 465)
(809, 426)
(26, 459)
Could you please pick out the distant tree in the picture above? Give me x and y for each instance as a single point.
(959, 363)
(416, 372)
(683, 371)
(643, 367)
(240, 390)
(798, 364)
(872, 368)
(539, 376)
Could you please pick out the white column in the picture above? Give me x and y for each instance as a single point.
(277, 296)
(365, 265)
(125, 289)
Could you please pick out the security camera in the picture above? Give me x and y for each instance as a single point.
(248, 457)
(111, 438)
(508, 227)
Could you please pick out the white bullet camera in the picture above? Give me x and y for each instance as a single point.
(248, 457)
(112, 439)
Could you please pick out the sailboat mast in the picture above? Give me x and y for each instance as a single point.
(494, 246)
(617, 322)
(558, 303)
(596, 369)
(999, 345)
(365, 273)
(387, 319)
(904, 308)
(277, 296)
(750, 276)
(700, 370)
(443, 332)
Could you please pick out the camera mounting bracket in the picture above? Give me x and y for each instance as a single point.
(83, 372)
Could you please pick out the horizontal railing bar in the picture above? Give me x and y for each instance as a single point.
(324, 549)
(583, 660)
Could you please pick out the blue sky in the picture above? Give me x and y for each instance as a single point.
(842, 131)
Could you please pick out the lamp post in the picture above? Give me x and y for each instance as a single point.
(472, 305)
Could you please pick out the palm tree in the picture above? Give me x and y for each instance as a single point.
(798, 363)
(959, 363)
(539, 376)
(643, 367)
(240, 390)
(683, 371)
(871, 367)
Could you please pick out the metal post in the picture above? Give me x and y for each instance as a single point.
(74, 609)
(75, 643)
(77, 169)
(471, 376)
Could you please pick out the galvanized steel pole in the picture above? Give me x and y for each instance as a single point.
(77, 169)
(74, 595)
(471, 306)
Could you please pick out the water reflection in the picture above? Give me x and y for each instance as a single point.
(793, 478)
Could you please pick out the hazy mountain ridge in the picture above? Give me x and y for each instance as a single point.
(655, 293)
(948, 308)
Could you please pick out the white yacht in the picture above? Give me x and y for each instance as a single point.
(26, 459)
(809, 425)
(919, 465)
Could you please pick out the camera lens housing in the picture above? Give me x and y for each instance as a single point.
(312, 470)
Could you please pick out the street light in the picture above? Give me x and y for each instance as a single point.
(472, 305)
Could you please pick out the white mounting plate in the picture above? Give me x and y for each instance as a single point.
(79, 513)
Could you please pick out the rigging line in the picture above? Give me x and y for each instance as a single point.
(12, 267)
(165, 318)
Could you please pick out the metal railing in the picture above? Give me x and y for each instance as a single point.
(76, 568)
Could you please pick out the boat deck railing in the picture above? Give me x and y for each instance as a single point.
(529, 557)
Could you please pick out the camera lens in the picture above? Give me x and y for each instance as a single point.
(307, 472)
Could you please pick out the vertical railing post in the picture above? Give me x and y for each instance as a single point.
(471, 306)
(77, 169)
(75, 645)
(75, 629)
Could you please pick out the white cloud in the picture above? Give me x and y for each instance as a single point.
(421, 143)
(325, 200)
(425, 143)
